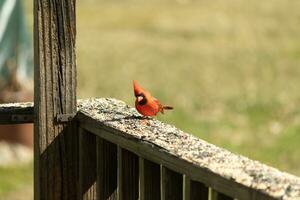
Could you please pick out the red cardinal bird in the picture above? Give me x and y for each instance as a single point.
(145, 103)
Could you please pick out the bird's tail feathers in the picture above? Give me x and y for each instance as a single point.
(163, 108)
(168, 107)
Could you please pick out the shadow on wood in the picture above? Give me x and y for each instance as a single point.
(58, 167)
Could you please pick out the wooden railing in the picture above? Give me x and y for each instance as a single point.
(107, 151)
(124, 156)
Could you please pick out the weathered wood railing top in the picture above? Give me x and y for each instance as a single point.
(162, 140)
(15, 113)
(230, 173)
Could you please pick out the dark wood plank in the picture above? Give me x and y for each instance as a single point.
(87, 165)
(215, 195)
(141, 178)
(198, 191)
(106, 170)
(149, 180)
(194, 190)
(55, 145)
(171, 184)
(128, 175)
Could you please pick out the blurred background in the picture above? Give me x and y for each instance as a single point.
(230, 68)
(16, 84)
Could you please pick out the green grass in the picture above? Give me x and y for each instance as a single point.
(15, 178)
(230, 68)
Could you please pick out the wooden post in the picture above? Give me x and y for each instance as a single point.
(55, 143)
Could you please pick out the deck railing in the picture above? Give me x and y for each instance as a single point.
(102, 149)
(124, 156)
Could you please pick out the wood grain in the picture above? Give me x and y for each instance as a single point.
(149, 180)
(87, 165)
(128, 175)
(171, 184)
(156, 155)
(194, 190)
(106, 170)
(55, 145)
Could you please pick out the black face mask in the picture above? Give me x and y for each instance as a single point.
(143, 101)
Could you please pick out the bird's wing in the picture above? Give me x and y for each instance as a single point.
(160, 106)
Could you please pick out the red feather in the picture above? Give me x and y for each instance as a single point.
(145, 103)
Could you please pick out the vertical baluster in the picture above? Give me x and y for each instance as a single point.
(106, 170)
(194, 190)
(141, 179)
(186, 188)
(149, 180)
(87, 165)
(171, 184)
(128, 175)
(119, 174)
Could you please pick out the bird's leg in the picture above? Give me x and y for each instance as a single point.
(146, 120)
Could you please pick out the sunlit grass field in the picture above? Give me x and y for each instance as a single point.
(230, 68)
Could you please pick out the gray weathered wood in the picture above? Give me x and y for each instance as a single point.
(149, 180)
(171, 184)
(128, 175)
(215, 195)
(228, 173)
(16, 113)
(87, 165)
(106, 170)
(55, 145)
(194, 190)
